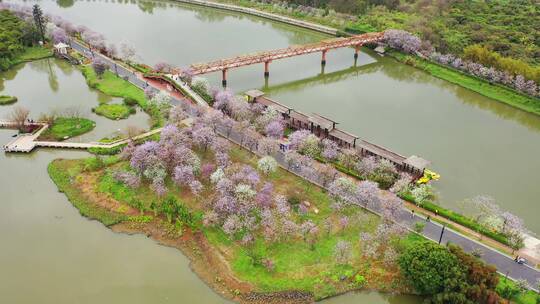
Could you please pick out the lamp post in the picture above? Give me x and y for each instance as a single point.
(442, 232)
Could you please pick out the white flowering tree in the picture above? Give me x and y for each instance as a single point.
(267, 165)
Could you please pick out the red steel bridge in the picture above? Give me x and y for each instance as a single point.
(268, 56)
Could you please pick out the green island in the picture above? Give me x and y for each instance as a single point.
(113, 85)
(67, 127)
(7, 100)
(114, 111)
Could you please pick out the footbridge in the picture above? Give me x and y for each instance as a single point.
(25, 143)
(267, 57)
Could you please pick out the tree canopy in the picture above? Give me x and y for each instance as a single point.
(15, 35)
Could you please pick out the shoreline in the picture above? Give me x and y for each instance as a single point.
(30, 54)
(209, 260)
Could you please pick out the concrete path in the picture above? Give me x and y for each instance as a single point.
(198, 99)
(25, 142)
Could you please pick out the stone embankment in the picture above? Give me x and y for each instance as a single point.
(274, 17)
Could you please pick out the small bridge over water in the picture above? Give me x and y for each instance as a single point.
(266, 57)
(27, 142)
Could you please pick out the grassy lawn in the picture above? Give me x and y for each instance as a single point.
(113, 85)
(33, 53)
(114, 111)
(527, 297)
(299, 264)
(494, 91)
(63, 128)
(7, 100)
(64, 173)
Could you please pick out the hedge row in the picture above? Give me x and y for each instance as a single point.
(459, 219)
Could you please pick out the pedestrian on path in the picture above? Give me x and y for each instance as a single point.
(428, 218)
(412, 214)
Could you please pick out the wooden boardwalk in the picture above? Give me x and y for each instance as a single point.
(25, 143)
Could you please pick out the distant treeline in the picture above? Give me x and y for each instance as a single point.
(508, 28)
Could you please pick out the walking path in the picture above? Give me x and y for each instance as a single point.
(433, 231)
(198, 99)
(27, 142)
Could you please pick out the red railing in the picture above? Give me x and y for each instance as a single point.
(268, 56)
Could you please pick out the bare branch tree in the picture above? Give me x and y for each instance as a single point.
(19, 115)
(49, 118)
(132, 131)
(72, 112)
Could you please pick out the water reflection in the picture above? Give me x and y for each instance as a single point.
(372, 298)
(65, 3)
(49, 85)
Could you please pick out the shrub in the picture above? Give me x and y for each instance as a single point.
(294, 201)
(129, 101)
(458, 218)
(93, 163)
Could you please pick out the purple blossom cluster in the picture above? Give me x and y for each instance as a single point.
(408, 43)
(490, 74)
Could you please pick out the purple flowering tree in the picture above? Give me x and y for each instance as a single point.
(274, 129)
(162, 67)
(330, 149)
(203, 136)
(402, 40)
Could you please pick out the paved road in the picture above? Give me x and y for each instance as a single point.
(505, 264)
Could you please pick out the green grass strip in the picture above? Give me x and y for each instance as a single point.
(64, 173)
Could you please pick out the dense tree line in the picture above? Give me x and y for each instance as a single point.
(507, 28)
(15, 35)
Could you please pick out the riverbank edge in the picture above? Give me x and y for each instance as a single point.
(115, 222)
(98, 84)
(510, 96)
(31, 54)
(510, 93)
(271, 16)
(206, 260)
(67, 127)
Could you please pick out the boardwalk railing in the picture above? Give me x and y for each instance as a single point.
(268, 56)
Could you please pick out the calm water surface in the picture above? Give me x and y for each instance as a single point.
(52, 85)
(478, 145)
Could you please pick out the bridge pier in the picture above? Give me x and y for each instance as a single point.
(323, 60)
(266, 70)
(224, 77)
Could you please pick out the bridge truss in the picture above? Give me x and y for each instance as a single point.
(268, 56)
